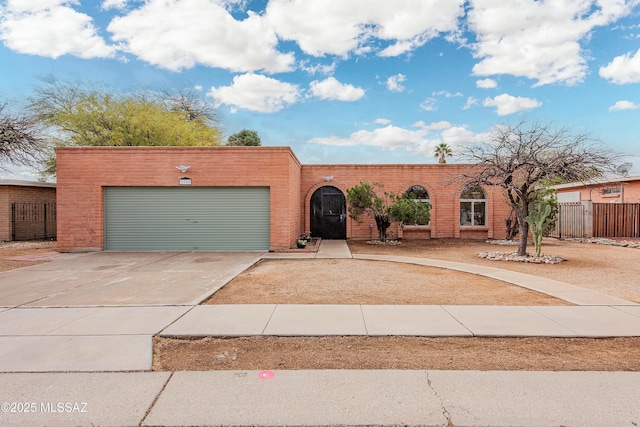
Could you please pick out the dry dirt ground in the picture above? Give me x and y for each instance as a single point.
(10, 250)
(608, 269)
(351, 281)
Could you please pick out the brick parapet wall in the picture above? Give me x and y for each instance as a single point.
(441, 181)
(83, 172)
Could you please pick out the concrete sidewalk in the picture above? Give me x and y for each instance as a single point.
(326, 397)
(416, 320)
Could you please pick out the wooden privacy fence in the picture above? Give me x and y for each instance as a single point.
(33, 220)
(616, 220)
(571, 221)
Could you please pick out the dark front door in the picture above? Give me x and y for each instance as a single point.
(328, 213)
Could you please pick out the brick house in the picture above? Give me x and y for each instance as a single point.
(245, 198)
(21, 192)
(615, 190)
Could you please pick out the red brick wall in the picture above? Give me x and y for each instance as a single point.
(83, 172)
(18, 194)
(439, 180)
(595, 192)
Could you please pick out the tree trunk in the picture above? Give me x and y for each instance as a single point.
(524, 234)
(383, 223)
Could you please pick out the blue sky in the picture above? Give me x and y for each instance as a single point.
(349, 81)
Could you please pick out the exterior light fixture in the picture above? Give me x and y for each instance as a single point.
(183, 169)
(328, 178)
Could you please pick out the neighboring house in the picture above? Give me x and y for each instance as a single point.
(601, 208)
(23, 209)
(245, 198)
(615, 190)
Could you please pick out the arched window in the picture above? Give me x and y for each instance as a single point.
(473, 207)
(419, 194)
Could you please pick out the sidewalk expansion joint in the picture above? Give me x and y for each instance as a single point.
(146, 414)
(266, 325)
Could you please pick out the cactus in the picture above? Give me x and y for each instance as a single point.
(539, 219)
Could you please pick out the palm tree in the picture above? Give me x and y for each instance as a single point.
(443, 150)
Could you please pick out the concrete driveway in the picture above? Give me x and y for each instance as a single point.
(123, 279)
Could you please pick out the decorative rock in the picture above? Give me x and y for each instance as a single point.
(513, 256)
(388, 242)
(604, 241)
(502, 242)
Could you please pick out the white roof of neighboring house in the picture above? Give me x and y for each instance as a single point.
(597, 182)
(27, 183)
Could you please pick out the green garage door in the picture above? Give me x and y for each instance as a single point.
(186, 218)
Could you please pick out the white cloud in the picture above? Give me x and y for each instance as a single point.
(429, 104)
(455, 137)
(178, 34)
(394, 83)
(487, 84)
(623, 105)
(332, 89)
(506, 104)
(471, 101)
(325, 69)
(114, 4)
(538, 40)
(623, 69)
(256, 93)
(389, 137)
(423, 139)
(382, 121)
(51, 28)
(338, 27)
(441, 125)
(446, 94)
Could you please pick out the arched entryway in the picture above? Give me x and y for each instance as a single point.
(328, 213)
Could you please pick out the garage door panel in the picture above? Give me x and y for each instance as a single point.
(187, 218)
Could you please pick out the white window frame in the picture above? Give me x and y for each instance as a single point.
(482, 200)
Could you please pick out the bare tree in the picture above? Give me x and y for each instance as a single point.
(522, 158)
(21, 138)
(192, 104)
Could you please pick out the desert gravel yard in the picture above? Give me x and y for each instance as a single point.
(350, 281)
(11, 252)
(608, 269)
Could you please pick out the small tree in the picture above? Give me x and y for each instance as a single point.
(245, 137)
(522, 158)
(363, 200)
(410, 210)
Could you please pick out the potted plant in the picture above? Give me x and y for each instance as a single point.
(301, 244)
(305, 237)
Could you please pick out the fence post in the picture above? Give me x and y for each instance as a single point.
(13, 222)
(45, 220)
(588, 218)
